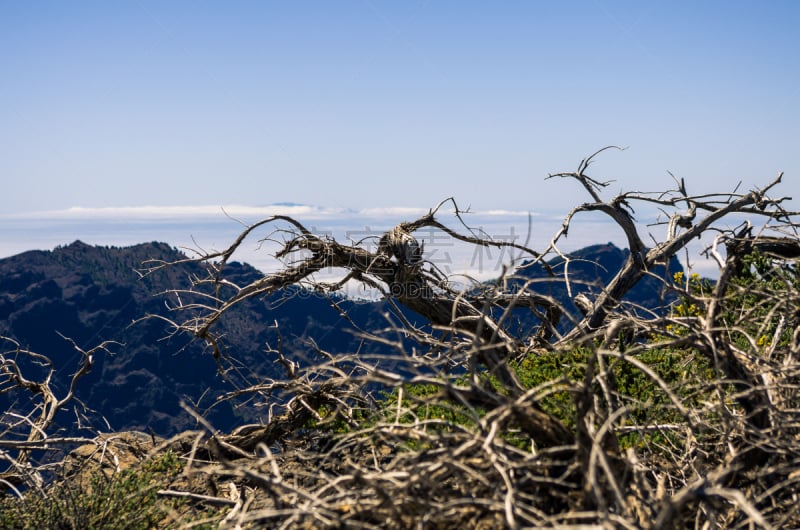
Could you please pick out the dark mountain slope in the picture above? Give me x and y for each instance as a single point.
(93, 294)
(589, 270)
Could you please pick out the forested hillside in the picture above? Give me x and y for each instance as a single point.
(93, 294)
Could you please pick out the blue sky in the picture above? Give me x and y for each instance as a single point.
(368, 104)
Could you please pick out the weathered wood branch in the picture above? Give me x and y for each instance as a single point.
(641, 260)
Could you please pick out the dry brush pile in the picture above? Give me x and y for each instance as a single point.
(617, 418)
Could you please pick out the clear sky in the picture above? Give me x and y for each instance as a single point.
(362, 104)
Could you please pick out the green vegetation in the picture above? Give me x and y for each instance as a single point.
(126, 500)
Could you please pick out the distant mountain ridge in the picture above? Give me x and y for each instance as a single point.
(92, 294)
(590, 269)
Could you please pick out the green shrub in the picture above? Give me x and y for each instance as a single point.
(125, 501)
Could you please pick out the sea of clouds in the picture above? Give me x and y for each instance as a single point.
(198, 229)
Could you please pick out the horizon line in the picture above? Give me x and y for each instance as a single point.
(231, 211)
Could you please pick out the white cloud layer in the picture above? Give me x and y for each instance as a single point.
(145, 213)
(210, 212)
(215, 227)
